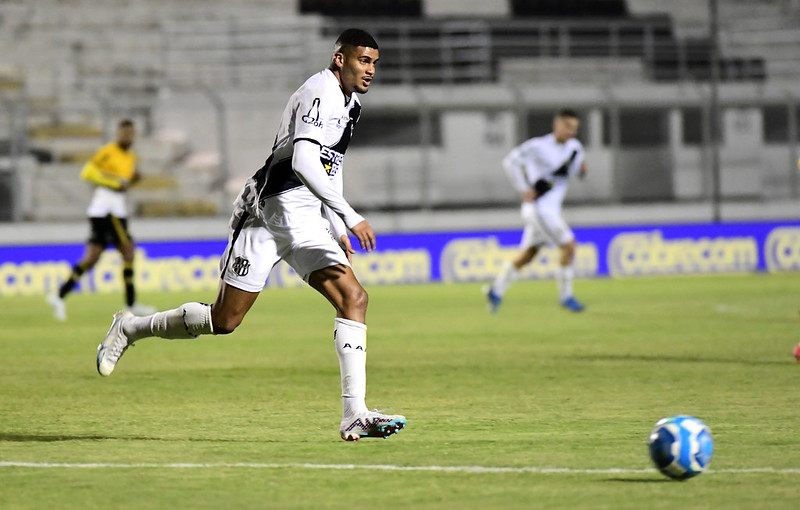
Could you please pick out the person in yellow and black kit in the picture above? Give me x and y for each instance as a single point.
(112, 171)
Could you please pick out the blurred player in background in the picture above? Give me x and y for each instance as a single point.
(293, 209)
(539, 169)
(112, 170)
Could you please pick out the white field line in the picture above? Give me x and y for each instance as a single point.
(369, 467)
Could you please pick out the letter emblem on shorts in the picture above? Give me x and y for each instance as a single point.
(241, 266)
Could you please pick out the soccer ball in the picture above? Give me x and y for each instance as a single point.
(681, 446)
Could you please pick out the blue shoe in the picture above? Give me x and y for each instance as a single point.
(493, 299)
(572, 304)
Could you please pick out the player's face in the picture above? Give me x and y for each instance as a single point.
(565, 128)
(125, 136)
(356, 68)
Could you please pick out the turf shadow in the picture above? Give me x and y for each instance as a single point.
(53, 438)
(639, 480)
(672, 359)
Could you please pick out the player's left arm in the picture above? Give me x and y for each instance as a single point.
(338, 228)
(580, 163)
(339, 231)
(136, 177)
(308, 167)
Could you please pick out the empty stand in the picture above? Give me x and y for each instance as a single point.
(458, 51)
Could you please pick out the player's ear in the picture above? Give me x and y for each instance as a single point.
(338, 59)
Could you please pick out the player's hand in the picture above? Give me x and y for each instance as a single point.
(540, 187)
(347, 247)
(124, 184)
(366, 237)
(582, 173)
(529, 196)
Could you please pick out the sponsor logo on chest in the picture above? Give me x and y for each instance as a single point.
(331, 159)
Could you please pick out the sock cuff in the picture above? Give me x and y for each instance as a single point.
(349, 323)
(197, 318)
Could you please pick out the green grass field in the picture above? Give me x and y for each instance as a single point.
(565, 401)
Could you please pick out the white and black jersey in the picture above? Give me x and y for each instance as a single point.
(318, 112)
(545, 158)
(292, 209)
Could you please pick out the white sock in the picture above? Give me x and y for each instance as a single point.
(350, 339)
(504, 280)
(564, 278)
(187, 321)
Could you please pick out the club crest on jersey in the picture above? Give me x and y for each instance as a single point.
(241, 266)
(342, 121)
(312, 115)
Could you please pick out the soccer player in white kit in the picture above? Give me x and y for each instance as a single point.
(293, 209)
(539, 169)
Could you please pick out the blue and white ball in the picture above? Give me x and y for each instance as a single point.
(681, 446)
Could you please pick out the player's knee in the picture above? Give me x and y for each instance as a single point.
(568, 252)
(355, 301)
(224, 324)
(225, 327)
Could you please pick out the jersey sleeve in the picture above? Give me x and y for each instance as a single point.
(94, 170)
(93, 174)
(314, 109)
(515, 171)
(522, 166)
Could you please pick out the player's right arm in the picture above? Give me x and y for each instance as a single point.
(518, 166)
(93, 172)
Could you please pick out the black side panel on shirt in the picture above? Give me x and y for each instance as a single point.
(276, 177)
(344, 141)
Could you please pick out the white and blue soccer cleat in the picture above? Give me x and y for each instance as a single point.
(370, 424)
(572, 304)
(114, 345)
(492, 299)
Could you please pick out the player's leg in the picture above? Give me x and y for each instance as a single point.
(564, 277)
(187, 321)
(239, 287)
(193, 319)
(560, 234)
(512, 269)
(529, 246)
(340, 287)
(90, 257)
(127, 249)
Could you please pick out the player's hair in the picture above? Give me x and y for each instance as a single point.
(125, 123)
(567, 112)
(355, 37)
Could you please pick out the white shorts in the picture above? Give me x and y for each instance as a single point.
(254, 248)
(543, 225)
